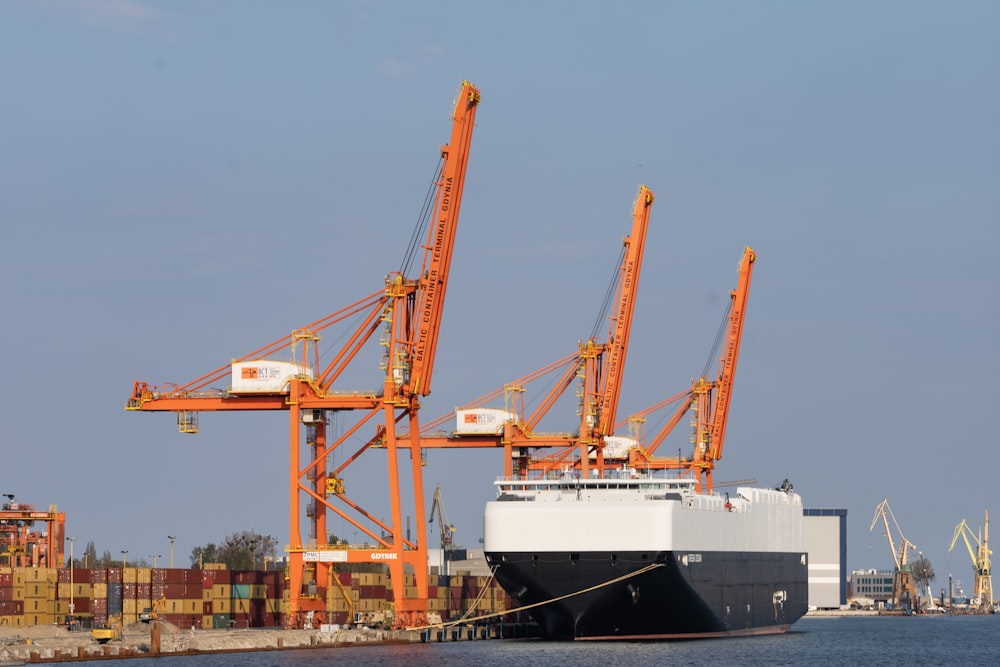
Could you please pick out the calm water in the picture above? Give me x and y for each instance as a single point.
(963, 640)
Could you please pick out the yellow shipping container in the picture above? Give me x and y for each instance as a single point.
(145, 575)
(39, 619)
(36, 589)
(207, 622)
(33, 574)
(130, 575)
(258, 591)
(100, 591)
(85, 590)
(222, 606)
(193, 607)
(174, 606)
(12, 621)
(222, 591)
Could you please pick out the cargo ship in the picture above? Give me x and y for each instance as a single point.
(637, 557)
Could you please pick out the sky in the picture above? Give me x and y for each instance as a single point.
(182, 182)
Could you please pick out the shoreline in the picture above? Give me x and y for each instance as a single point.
(41, 644)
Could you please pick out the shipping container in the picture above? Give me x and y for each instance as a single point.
(222, 577)
(481, 421)
(265, 376)
(11, 607)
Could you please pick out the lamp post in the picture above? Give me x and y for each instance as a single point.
(124, 563)
(72, 599)
(171, 538)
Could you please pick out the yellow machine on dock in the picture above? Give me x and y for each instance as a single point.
(111, 630)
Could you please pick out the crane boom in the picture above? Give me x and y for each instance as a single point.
(727, 368)
(621, 322)
(441, 242)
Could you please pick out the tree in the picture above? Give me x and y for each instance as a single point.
(90, 555)
(245, 550)
(923, 572)
(206, 554)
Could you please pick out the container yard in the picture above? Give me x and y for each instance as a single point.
(218, 598)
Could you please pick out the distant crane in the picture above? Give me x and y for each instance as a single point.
(446, 528)
(904, 590)
(983, 594)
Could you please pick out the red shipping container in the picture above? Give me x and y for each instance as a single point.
(81, 605)
(174, 576)
(6, 593)
(11, 607)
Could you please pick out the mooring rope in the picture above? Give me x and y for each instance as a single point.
(464, 620)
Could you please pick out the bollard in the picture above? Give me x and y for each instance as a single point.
(154, 638)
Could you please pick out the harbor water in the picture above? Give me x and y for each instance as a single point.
(920, 640)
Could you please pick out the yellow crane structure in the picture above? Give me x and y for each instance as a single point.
(983, 594)
(904, 590)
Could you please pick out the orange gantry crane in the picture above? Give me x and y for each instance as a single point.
(710, 400)
(597, 365)
(21, 545)
(408, 311)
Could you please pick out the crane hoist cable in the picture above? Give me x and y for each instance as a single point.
(423, 220)
(717, 345)
(609, 295)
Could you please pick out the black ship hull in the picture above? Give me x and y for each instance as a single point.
(656, 595)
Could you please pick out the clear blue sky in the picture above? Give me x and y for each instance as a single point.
(181, 182)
